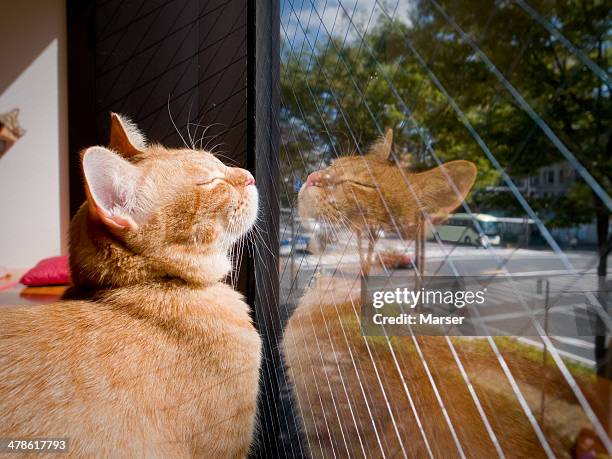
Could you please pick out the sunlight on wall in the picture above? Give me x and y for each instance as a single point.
(33, 173)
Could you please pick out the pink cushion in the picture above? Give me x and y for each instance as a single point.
(50, 271)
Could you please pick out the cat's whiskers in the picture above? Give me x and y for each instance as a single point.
(195, 132)
(205, 130)
(216, 154)
(251, 239)
(212, 149)
(238, 248)
(338, 220)
(255, 232)
(236, 258)
(262, 240)
(174, 124)
(208, 138)
(343, 221)
(188, 122)
(231, 229)
(240, 253)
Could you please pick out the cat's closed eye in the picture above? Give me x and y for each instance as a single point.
(358, 183)
(208, 181)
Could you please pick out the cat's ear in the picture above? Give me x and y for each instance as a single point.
(125, 137)
(442, 189)
(111, 185)
(383, 148)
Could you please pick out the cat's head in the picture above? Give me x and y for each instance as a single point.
(153, 212)
(373, 191)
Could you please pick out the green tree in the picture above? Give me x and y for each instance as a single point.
(571, 99)
(337, 95)
(343, 93)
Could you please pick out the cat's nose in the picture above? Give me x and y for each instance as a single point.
(312, 179)
(249, 180)
(239, 177)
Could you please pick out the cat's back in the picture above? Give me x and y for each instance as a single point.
(145, 368)
(59, 365)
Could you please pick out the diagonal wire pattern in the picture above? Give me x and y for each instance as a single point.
(322, 111)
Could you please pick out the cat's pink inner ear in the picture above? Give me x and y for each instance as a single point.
(111, 187)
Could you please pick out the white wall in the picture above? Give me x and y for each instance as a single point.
(34, 173)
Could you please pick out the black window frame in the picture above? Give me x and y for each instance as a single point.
(254, 144)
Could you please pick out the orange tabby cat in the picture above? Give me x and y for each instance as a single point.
(371, 190)
(366, 194)
(372, 397)
(149, 354)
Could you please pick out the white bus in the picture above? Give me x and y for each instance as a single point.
(462, 228)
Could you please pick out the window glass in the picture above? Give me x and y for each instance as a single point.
(396, 116)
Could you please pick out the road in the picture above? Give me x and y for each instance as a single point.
(573, 272)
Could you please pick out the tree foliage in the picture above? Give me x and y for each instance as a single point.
(338, 94)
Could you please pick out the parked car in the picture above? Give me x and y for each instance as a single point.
(299, 243)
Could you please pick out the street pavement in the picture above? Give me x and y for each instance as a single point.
(574, 291)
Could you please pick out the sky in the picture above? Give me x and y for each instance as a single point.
(305, 21)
